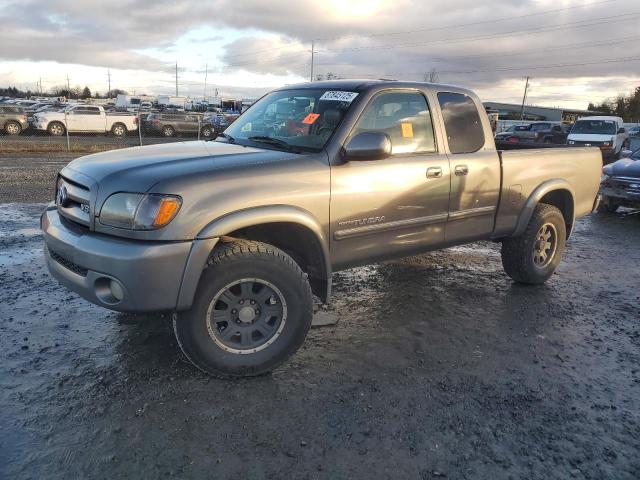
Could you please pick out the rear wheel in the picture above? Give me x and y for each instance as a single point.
(119, 130)
(206, 132)
(12, 128)
(253, 309)
(533, 256)
(168, 131)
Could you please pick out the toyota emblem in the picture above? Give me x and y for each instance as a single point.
(61, 196)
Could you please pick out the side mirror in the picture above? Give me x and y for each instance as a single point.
(622, 130)
(368, 146)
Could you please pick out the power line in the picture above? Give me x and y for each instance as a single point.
(529, 31)
(426, 29)
(499, 54)
(483, 22)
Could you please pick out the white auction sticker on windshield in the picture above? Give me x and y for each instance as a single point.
(338, 96)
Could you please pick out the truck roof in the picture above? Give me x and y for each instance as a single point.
(361, 85)
(603, 117)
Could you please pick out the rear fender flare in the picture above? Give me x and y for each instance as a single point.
(534, 199)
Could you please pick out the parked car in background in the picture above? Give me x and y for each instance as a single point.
(220, 121)
(179, 123)
(535, 132)
(85, 118)
(13, 120)
(634, 131)
(620, 185)
(608, 133)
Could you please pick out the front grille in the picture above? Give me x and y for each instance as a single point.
(587, 143)
(73, 201)
(68, 264)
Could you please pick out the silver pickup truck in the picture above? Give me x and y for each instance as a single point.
(237, 236)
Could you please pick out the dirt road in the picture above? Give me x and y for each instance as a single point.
(439, 367)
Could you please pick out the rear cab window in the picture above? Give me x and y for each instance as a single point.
(463, 126)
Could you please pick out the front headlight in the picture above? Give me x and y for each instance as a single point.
(137, 211)
(571, 142)
(606, 144)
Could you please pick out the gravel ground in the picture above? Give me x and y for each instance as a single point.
(439, 367)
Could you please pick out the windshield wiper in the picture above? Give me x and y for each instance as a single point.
(228, 137)
(273, 141)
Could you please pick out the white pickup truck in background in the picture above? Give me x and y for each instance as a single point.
(85, 118)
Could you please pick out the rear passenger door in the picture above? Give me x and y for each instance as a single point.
(475, 169)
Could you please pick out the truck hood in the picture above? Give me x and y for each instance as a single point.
(138, 169)
(623, 168)
(586, 137)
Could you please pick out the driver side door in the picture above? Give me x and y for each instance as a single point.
(396, 206)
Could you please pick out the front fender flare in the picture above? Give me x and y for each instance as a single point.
(208, 237)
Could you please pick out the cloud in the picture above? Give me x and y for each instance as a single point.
(482, 44)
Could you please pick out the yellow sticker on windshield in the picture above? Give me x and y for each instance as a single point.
(246, 127)
(407, 130)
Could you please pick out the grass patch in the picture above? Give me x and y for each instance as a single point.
(38, 147)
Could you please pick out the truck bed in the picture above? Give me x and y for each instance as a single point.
(579, 169)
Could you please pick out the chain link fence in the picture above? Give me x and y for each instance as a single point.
(83, 127)
(39, 137)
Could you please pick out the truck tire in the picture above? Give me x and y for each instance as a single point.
(168, 131)
(252, 310)
(206, 132)
(119, 130)
(533, 256)
(56, 129)
(608, 205)
(12, 128)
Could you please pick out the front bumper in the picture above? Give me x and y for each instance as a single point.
(623, 196)
(122, 274)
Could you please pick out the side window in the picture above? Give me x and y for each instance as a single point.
(404, 117)
(93, 111)
(462, 122)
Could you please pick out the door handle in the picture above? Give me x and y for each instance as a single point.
(434, 172)
(461, 170)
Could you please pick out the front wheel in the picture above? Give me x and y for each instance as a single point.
(252, 311)
(608, 205)
(56, 129)
(533, 256)
(168, 131)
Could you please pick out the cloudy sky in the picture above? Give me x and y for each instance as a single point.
(575, 51)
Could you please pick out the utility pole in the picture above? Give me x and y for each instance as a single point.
(176, 79)
(206, 70)
(431, 76)
(313, 44)
(68, 85)
(109, 79)
(40, 85)
(524, 98)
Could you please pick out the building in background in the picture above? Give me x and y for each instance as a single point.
(511, 111)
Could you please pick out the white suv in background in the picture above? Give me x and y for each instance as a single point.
(608, 133)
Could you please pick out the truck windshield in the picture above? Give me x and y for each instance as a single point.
(594, 127)
(296, 120)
